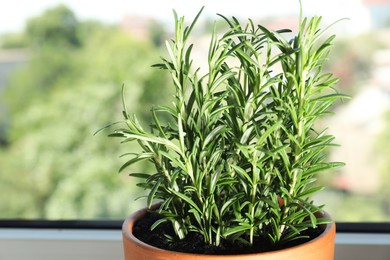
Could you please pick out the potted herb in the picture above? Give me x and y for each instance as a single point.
(237, 164)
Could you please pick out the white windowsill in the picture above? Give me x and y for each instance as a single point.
(45, 244)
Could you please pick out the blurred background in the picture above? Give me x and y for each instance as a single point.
(62, 66)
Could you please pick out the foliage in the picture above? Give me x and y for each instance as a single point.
(52, 166)
(240, 156)
(157, 32)
(13, 40)
(57, 26)
(382, 149)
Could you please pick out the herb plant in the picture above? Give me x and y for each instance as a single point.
(241, 155)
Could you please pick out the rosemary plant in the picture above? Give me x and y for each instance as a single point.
(241, 156)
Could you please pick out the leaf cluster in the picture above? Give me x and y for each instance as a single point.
(240, 156)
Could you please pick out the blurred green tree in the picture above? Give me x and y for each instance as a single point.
(13, 41)
(53, 166)
(382, 148)
(56, 26)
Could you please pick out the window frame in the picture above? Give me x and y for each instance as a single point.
(115, 224)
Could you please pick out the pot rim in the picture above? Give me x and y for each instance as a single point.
(127, 227)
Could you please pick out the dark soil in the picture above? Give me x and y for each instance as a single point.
(193, 243)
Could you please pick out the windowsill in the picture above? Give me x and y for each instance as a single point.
(89, 243)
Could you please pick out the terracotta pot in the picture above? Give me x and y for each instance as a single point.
(320, 248)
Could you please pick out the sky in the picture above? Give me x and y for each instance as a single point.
(14, 13)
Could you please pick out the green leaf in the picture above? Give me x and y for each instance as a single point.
(156, 140)
(219, 130)
(214, 179)
(242, 173)
(223, 78)
(321, 221)
(246, 135)
(268, 132)
(153, 192)
(197, 216)
(310, 191)
(140, 175)
(323, 167)
(188, 54)
(188, 31)
(175, 161)
(107, 126)
(236, 229)
(157, 122)
(186, 199)
(330, 97)
(227, 204)
(140, 157)
(158, 222)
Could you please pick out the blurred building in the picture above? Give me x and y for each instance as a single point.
(379, 12)
(137, 26)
